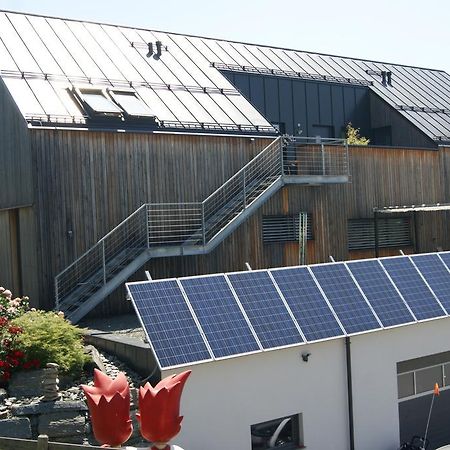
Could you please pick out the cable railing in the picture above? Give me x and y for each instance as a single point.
(164, 226)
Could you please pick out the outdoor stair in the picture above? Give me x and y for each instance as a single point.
(163, 230)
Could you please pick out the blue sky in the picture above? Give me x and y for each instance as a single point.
(400, 31)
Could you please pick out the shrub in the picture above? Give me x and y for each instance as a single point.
(353, 137)
(48, 337)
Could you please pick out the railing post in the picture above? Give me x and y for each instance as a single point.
(322, 150)
(281, 146)
(203, 224)
(104, 262)
(244, 191)
(347, 161)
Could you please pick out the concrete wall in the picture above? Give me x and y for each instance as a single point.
(223, 399)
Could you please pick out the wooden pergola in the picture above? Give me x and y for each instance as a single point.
(412, 210)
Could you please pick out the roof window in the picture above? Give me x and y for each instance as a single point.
(129, 101)
(97, 101)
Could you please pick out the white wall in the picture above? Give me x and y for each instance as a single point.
(223, 399)
(374, 369)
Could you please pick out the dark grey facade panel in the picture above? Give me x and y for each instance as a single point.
(300, 109)
(286, 105)
(257, 93)
(325, 109)
(271, 96)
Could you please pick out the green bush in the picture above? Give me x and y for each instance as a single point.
(48, 337)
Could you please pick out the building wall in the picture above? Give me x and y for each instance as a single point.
(316, 106)
(15, 155)
(223, 399)
(375, 385)
(389, 127)
(18, 270)
(88, 182)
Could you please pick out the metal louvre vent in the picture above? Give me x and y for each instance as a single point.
(284, 228)
(392, 232)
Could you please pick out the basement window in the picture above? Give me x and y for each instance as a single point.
(97, 102)
(129, 101)
(392, 232)
(284, 228)
(283, 433)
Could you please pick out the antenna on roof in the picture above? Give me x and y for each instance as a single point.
(158, 49)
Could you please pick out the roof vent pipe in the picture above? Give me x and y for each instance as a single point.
(383, 77)
(158, 49)
(389, 78)
(150, 49)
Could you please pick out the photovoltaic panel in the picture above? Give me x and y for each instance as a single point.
(307, 304)
(379, 290)
(168, 322)
(345, 298)
(413, 289)
(265, 309)
(220, 317)
(446, 258)
(437, 276)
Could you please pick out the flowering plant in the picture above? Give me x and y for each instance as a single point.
(11, 358)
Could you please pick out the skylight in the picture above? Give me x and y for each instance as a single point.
(97, 101)
(131, 103)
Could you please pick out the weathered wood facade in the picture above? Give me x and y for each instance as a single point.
(87, 182)
(17, 232)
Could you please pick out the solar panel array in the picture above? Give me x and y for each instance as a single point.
(206, 318)
(41, 57)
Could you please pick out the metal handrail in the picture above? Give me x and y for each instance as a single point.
(194, 223)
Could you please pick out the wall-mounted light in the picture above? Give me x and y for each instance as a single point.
(305, 356)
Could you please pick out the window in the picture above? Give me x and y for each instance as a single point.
(419, 375)
(129, 101)
(392, 232)
(284, 228)
(283, 433)
(97, 102)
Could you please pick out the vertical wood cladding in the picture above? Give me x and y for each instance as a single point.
(15, 155)
(90, 181)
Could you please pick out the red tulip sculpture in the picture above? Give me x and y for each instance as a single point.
(109, 405)
(159, 410)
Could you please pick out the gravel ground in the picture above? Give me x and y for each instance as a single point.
(127, 324)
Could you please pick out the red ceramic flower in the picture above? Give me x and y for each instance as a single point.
(109, 406)
(159, 409)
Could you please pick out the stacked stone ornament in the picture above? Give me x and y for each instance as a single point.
(50, 388)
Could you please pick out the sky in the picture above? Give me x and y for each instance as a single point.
(413, 32)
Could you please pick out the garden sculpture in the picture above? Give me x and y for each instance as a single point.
(159, 410)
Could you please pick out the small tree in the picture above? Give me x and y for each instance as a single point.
(353, 137)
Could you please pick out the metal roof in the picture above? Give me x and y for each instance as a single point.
(43, 58)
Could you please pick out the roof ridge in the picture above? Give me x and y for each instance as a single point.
(220, 39)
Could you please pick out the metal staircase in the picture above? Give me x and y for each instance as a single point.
(176, 229)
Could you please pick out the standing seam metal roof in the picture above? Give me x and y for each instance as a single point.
(42, 58)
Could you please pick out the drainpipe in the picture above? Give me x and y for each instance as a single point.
(350, 393)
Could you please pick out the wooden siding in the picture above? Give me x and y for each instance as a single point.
(90, 181)
(15, 155)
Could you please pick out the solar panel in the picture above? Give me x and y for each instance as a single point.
(168, 323)
(437, 276)
(413, 289)
(379, 290)
(446, 258)
(223, 323)
(265, 309)
(307, 304)
(345, 298)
